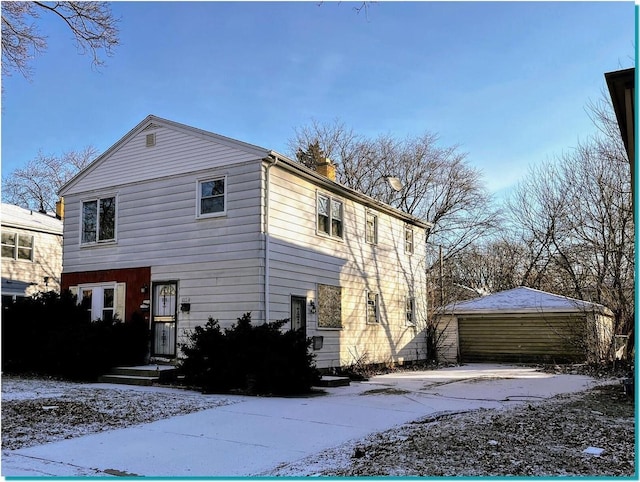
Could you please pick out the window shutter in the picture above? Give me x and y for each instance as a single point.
(121, 292)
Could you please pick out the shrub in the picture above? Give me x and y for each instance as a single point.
(251, 359)
(49, 334)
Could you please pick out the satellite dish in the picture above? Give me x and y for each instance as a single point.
(395, 183)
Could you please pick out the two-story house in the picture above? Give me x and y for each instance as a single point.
(31, 252)
(181, 224)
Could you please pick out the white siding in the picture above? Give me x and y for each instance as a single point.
(175, 153)
(47, 261)
(300, 259)
(218, 262)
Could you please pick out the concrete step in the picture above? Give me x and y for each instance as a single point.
(332, 381)
(163, 372)
(140, 375)
(128, 380)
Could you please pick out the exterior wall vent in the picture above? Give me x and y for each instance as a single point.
(151, 140)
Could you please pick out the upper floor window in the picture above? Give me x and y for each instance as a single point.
(17, 246)
(99, 220)
(330, 216)
(408, 240)
(371, 233)
(212, 197)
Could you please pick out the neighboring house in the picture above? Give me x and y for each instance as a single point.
(31, 252)
(621, 84)
(179, 225)
(524, 324)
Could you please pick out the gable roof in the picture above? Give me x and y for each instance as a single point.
(155, 121)
(259, 153)
(21, 218)
(523, 300)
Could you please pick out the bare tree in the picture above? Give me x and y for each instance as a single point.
(35, 186)
(92, 24)
(439, 185)
(575, 217)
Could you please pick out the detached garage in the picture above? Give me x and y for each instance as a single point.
(524, 325)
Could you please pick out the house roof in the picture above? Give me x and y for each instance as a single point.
(17, 217)
(302, 170)
(523, 300)
(260, 153)
(621, 84)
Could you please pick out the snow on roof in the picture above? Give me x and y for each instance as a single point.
(17, 217)
(523, 300)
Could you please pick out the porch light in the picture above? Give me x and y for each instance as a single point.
(312, 306)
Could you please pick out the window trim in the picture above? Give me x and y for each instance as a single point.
(16, 246)
(409, 247)
(372, 213)
(98, 241)
(410, 299)
(331, 200)
(199, 182)
(377, 307)
(102, 286)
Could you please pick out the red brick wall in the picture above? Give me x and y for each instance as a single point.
(135, 278)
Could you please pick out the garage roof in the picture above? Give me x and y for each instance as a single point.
(523, 300)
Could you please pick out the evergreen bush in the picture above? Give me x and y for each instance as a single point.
(259, 359)
(50, 334)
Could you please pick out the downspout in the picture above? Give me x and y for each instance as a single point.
(267, 240)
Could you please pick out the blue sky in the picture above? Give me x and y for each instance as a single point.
(507, 82)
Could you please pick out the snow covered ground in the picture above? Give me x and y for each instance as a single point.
(414, 423)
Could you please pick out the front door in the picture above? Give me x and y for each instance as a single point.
(164, 319)
(299, 313)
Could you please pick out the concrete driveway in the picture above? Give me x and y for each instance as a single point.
(255, 435)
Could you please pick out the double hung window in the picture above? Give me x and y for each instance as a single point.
(373, 308)
(330, 216)
(98, 301)
(212, 197)
(408, 240)
(99, 220)
(17, 246)
(371, 228)
(410, 306)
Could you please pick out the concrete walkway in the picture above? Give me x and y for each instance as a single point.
(257, 434)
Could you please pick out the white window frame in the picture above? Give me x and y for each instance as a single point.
(16, 246)
(97, 302)
(376, 305)
(330, 219)
(410, 310)
(409, 240)
(374, 216)
(217, 214)
(97, 229)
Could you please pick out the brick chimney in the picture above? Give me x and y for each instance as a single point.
(327, 169)
(60, 208)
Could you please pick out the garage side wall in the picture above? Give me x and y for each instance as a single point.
(447, 339)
